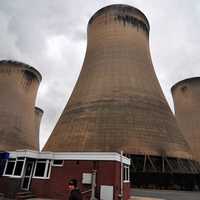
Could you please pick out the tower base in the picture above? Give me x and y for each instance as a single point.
(155, 172)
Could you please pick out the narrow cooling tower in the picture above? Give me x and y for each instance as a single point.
(18, 88)
(117, 103)
(186, 96)
(38, 116)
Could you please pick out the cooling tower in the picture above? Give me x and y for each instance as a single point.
(38, 116)
(186, 96)
(18, 87)
(117, 103)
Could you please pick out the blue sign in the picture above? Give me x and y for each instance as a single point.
(4, 155)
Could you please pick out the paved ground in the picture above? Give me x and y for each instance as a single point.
(161, 195)
(139, 194)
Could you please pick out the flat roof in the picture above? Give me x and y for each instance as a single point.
(100, 156)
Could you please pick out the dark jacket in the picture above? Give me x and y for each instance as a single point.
(75, 195)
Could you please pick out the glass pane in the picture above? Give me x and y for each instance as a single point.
(18, 168)
(2, 166)
(124, 173)
(28, 169)
(40, 169)
(10, 167)
(58, 162)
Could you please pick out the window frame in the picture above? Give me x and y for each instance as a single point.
(15, 160)
(126, 174)
(47, 170)
(57, 165)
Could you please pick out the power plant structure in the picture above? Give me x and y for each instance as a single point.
(186, 96)
(118, 105)
(117, 116)
(19, 118)
(38, 117)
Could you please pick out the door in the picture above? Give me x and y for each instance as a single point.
(25, 184)
(106, 192)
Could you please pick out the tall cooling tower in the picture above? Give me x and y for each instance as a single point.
(19, 83)
(186, 96)
(117, 103)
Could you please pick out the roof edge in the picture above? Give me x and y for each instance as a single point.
(101, 156)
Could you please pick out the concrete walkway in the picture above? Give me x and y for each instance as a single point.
(141, 194)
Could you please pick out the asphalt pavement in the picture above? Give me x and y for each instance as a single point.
(145, 194)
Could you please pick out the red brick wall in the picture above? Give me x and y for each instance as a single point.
(108, 173)
(9, 186)
(56, 186)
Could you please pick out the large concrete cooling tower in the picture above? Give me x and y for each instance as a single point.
(18, 87)
(117, 103)
(186, 96)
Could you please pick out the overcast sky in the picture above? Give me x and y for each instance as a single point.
(51, 36)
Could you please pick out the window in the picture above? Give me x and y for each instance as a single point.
(14, 167)
(9, 167)
(126, 174)
(42, 169)
(18, 168)
(58, 163)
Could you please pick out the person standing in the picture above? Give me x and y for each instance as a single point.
(75, 193)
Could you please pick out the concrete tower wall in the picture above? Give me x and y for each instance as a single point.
(117, 103)
(18, 88)
(38, 117)
(186, 96)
